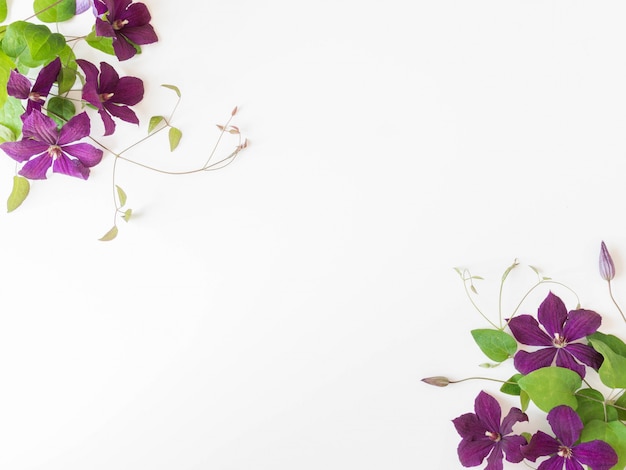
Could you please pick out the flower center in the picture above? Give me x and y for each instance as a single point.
(494, 436)
(34, 96)
(119, 24)
(105, 97)
(565, 452)
(559, 341)
(54, 151)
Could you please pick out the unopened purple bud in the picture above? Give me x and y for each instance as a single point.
(607, 268)
(437, 381)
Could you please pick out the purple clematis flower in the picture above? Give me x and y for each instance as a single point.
(484, 436)
(563, 450)
(127, 23)
(561, 339)
(19, 86)
(43, 145)
(111, 94)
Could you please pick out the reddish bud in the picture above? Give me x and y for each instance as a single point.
(437, 381)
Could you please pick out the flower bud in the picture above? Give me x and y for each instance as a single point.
(437, 381)
(607, 268)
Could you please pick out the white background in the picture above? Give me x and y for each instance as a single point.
(280, 313)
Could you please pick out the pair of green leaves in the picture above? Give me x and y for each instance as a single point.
(126, 215)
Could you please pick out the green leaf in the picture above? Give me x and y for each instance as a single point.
(524, 400)
(613, 369)
(154, 121)
(10, 115)
(175, 135)
(591, 406)
(172, 87)
(53, 11)
(620, 403)
(101, 43)
(551, 386)
(67, 75)
(612, 341)
(60, 109)
(6, 134)
(613, 433)
(512, 387)
(127, 214)
(3, 10)
(14, 42)
(42, 43)
(110, 235)
(121, 195)
(496, 344)
(21, 188)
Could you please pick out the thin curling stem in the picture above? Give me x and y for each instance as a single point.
(615, 302)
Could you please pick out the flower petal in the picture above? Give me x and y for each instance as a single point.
(566, 424)
(469, 426)
(472, 453)
(555, 462)
(552, 315)
(47, 76)
(512, 447)
(36, 168)
(585, 354)
(122, 112)
(488, 411)
(526, 330)
(104, 28)
(23, 150)
(526, 362)
(140, 35)
(596, 454)
(541, 444)
(136, 14)
(108, 78)
(515, 415)
(566, 360)
(70, 167)
(40, 127)
(122, 48)
(494, 461)
(87, 154)
(18, 85)
(581, 323)
(75, 129)
(128, 91)
(107, 120)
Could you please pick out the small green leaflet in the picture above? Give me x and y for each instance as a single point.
(154, 121)
(121, 195)
(3, 10)
(110, 235)
(172, 87)
(175, 135)
(21, 188)
(613, 369)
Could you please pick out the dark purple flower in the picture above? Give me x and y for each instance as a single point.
(127, 23)
(111, 94)
(19, 86)
(484, 436)
(607, 268)
(563, 340)
(43, 145)
(563, 450)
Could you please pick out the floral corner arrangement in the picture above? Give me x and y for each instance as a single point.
(50, 93)
(568, 372)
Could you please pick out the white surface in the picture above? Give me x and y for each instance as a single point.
(279, 314)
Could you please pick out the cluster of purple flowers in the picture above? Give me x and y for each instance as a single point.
(559, 337)
(484, 435)
(45, 143)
